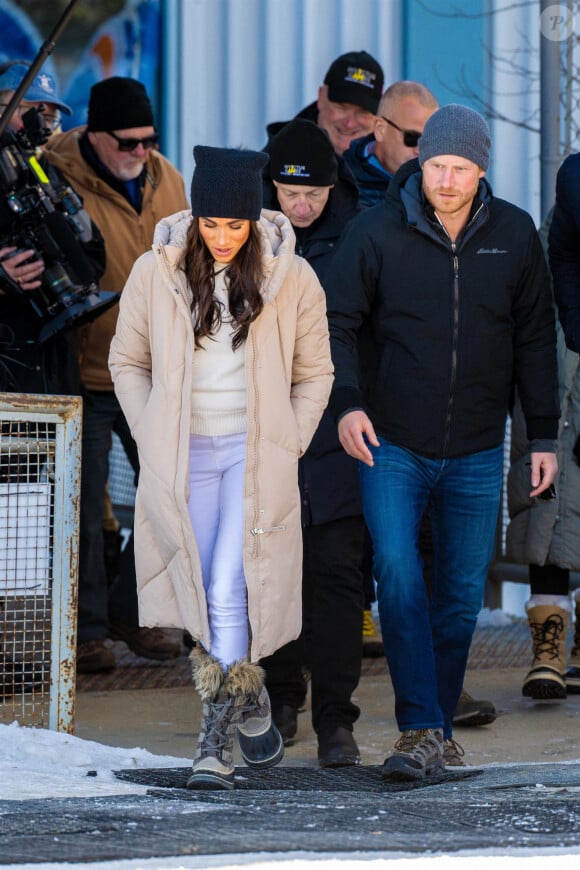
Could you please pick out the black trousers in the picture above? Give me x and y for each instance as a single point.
(330, 645)
(102, 416)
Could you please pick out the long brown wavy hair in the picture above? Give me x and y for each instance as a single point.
(245, 274)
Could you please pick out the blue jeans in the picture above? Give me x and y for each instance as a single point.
(427, 638)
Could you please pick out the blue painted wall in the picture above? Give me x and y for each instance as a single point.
(444, 49)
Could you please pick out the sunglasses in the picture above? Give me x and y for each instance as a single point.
(410, 137)
(130, 144)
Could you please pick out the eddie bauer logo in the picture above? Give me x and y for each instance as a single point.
(492, 251)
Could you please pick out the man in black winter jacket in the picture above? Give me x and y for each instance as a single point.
(316, 191)
(454, 284)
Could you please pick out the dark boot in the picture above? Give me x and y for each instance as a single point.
(337, 748)
(18, 677)
(286, 720)
(213, 763)
(95, 657)
(260, 742)
(473, 711)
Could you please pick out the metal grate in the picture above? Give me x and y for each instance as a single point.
(121, 483)
(39, 501)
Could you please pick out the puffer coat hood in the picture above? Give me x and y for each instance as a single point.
(288, 380)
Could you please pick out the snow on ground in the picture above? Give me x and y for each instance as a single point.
(516, 859)
(37, 763)
(495, 618)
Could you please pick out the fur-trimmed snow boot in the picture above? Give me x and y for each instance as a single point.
(213, 763)
(546, 678)
(260, 741)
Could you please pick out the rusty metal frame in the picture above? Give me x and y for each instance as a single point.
(66, 413)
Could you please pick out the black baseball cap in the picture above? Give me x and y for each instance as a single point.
(357, 78)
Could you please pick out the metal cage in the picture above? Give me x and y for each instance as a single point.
(40, 465)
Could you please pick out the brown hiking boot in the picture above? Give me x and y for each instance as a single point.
(418, 754)
(546, 678)
(453, 753)
(150, 643)
(93, 657)
(573, 672)
(471, 711)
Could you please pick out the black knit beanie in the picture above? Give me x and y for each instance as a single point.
(457, 130)
(227, 183)
(302, 153)
(119, 104)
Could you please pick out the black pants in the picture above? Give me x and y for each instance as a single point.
(102, 416)
(549, 580)
(331, 641)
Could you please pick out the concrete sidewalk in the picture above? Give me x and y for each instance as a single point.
(165, 721)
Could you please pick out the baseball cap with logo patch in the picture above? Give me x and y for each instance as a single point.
(357, 78)
(42, 88)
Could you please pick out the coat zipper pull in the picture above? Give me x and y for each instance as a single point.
(261, 531)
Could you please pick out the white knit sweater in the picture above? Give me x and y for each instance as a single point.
(219, 376)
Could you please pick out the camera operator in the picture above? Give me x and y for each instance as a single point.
(26, 364)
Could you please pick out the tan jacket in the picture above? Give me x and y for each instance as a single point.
(127, 235)
(288, 377)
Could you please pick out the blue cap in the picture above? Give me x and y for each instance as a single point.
(41, 90)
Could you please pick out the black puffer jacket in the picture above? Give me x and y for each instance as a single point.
(328, 477)
(452, 325)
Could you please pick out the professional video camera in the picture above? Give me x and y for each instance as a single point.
(47, 217)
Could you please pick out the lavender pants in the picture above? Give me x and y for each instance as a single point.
(216, 508)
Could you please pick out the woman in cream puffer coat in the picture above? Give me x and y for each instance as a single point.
(157, 365)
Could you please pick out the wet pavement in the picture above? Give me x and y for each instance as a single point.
(295, 809)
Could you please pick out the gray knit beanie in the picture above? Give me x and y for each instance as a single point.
(227, 183)
(458, 130)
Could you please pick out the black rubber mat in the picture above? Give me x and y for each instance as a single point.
(310, 779)
(292, 809)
